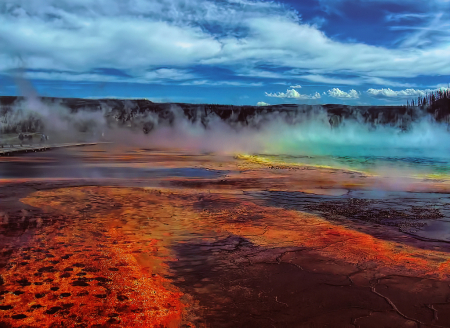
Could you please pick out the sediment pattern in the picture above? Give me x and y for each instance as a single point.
(149, 257)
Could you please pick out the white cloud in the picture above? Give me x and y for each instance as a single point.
(337, 93)
(389, 93)
(262, 103)
(381, 81)
(319, 78)
(135, 36)
(260, 73)
(397, 17)
(163, 76)
(443, 86)
(159, 75)
(433, 31)
(293, 94)
(222, 83)
(168, 74)
(330, 80)
(298, 86)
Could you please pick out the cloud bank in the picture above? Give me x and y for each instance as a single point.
(293, 94)
(155, 41)
(337, 93)
(405, 94)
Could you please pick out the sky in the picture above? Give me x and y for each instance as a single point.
(239, 52)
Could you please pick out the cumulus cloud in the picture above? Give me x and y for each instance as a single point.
(407, 93)
(337, 93)
(298, 86)
(262, 103)
(293, 94)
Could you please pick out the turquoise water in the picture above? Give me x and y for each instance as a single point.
(409, 162)
(423, 149)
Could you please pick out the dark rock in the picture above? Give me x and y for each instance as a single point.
(90, 269)
(113, 321)
(5, 307)
(102, 279)
(18, 316)
(53, 310)
(80, 283)
(122, 298)
(79, 265)
(83, 293)
(24, 282)
(47, 269)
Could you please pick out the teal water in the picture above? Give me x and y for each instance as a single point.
(407, 162)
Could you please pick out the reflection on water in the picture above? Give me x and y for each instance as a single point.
(438, 230)
(97, 162)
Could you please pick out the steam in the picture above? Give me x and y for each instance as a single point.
(317, 137)
(387, 150)
(312, 134)
(305, 132)
(279, 132)
(31, 114)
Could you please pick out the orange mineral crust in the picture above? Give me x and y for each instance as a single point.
(87, 272)
(105, 260)
(171, 216)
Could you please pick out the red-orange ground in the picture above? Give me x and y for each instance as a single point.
(104, 262)
(121, 237)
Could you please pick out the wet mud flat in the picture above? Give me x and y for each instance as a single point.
(241, 246)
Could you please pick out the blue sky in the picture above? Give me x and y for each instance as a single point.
(242, 52)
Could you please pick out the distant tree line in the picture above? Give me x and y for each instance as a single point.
(436, 100)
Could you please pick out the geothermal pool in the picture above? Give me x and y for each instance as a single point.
(117, 236)
(411, 164)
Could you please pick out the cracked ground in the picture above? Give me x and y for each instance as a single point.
(252, 247)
